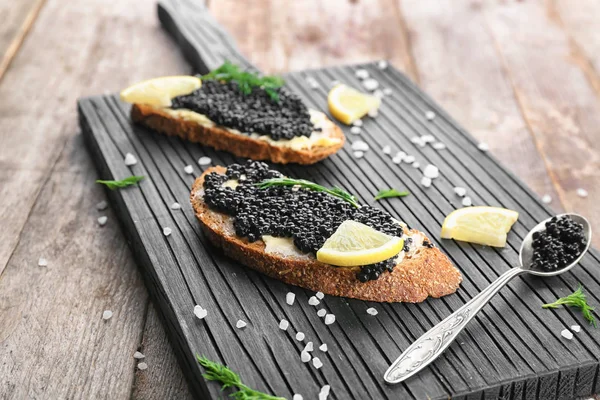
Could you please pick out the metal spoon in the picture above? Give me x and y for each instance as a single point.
(433, 343)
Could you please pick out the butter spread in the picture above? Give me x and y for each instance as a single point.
(282, 246)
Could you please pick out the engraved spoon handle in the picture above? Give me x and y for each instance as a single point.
(433, 343)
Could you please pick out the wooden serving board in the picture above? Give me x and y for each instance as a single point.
(512, 349)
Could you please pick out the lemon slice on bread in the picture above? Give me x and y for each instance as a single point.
(355, 244)
(483, 225)
(159, 91)
(348, 105)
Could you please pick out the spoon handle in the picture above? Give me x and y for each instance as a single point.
(433, 343)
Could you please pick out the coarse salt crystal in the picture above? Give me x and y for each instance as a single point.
(372, 311)
(313, 301)
(322, 312)
(305, 356)
(355, 130)
(204, 161)
(102, 220)
(284, 324)
(576, 328)
(546, 199)
(107, 314)
(290, 297)
(426, 182)
(130, 159)
(428, 138)
(382, 64)
(431, 171)
(358, 122)
(200, 312)
(188, 169)
(379, 94)
(373, 113)
(297, 397)
(416, 164)
(312, 82)
(317, 363)
(387, 91)
(581, 192)
(319, 295)
(361, 73)
(460, 191)
(138, 356)
(409, 159)
(438, 146)
(324, 392)
(567, 334)
(309, 347)
(416, 139)
(370, 84)
(359, 154)
(299, 336)
(396, 160)
(329, 319)
(466, 202)
(42, 262)
(483, 146)
(429, 115)
(240, 324)
(386, 149)
(103, 205)
(323, 347)
(360, 146)
(142, 366)
(175, 206)
(167, 231)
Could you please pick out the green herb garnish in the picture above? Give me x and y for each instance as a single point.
(114, 185)
(229, 379)
(246, 80)
(384, 194)
(576, 299)
(335, 191)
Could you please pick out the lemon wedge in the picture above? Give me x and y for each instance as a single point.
(160, 91)
(482, 225)
(348, 105)
(354, 244)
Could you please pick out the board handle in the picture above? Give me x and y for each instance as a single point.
(204, 42)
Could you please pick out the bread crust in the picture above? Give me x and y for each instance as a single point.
(239, 145)
(427, 273)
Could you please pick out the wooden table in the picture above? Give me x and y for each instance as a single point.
(523, 77)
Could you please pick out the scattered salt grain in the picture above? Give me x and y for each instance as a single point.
(416, 140)
(358, 122)
(176, 206)
(297, 397)
(167, 231)
(372, 311)
(361, 73)
(42, 262)
(103, 205)
(359, 145)
(546, 199)
(416, 164)
(373, 113)
(582, 192)
(379, 94)
(576, 328)
(138, 356)
(317, 363)
(284, 324)
(429, 115)
(290, 297)
(426, 182)
(460, 191)
(329, 319)
(188, 169)
(299, 336)
(240, 324)
(409, 159)
(142, 366)
(200, 312)
(382, 64)
(312, 82)
(359, 154)
(467, 202)
(107, 314)
(428, 138)
(319, 295)
(431, 171)
(322, 312)
(355, 130)
(567, 334)
(387, 91)
(323, 347)
(204, 161)
(305, 356)
(370, 84)
(309, 347)
(386, 149)
(102, 220)
(396, 160)
(313, 301)
(438, 146)
(130, 159)
(483, 146)
(324, 392)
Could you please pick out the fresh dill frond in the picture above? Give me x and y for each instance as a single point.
(229, 379)
(335, 191)
(384, 194)
(576, 299)
(246, 80)
(114, 185)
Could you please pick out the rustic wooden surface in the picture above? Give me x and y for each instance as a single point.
(522, 76)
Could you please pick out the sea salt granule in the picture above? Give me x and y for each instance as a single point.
(138, 356)
(438, 146)
(370, 84)
(323, 347)
(240, 324)
(358, 123)
(416, 140)
(103, 205)
(416, 164)
(373, 113)
(176, 206)
(297, 397)
(567, 334)
(142, 366)
(372, 311)
(428, 138)
(188, 169)
(290, 297)
(312, 82)
(429, 115)
(284, 324)
(359, 145)
(467, 201)
(102, 220)
(431, 171)
(200, 312)
(361, 73)
(359, 154)
(387, 91)
(386, 149)
(382, 64)
(300, 336)
(322, 312)
(576, 328)
(409, 159)
(324, 393)
(379, 94)
(167, 231)
(107, 314)
(130, 159)
(317, 363)
(581, 192)
(42, 262)
(355, 130)
(426, 182)
(460, 191)
(305, 356)
(309, 347)
(313, 301)
(546, 199)
(204, 161)
(396, 160)
(319, 295)
(329, 319)
(483, 146)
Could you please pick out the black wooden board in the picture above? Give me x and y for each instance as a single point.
(512, 349)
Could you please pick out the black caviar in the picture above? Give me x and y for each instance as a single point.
(256, 112)
(307, 216)
(558, 245)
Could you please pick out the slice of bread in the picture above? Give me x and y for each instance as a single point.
(427, 272)
(241, 145)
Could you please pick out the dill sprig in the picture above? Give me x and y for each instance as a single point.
(246, 80)
(335, 191)
(229, 379)
(384, 194)
(114, 185)
(576, 299)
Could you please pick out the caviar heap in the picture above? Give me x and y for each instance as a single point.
(226, 105)
(307, 216)
(559, 244)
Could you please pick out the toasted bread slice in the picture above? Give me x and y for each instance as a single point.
(241, 145)
(428, 272)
